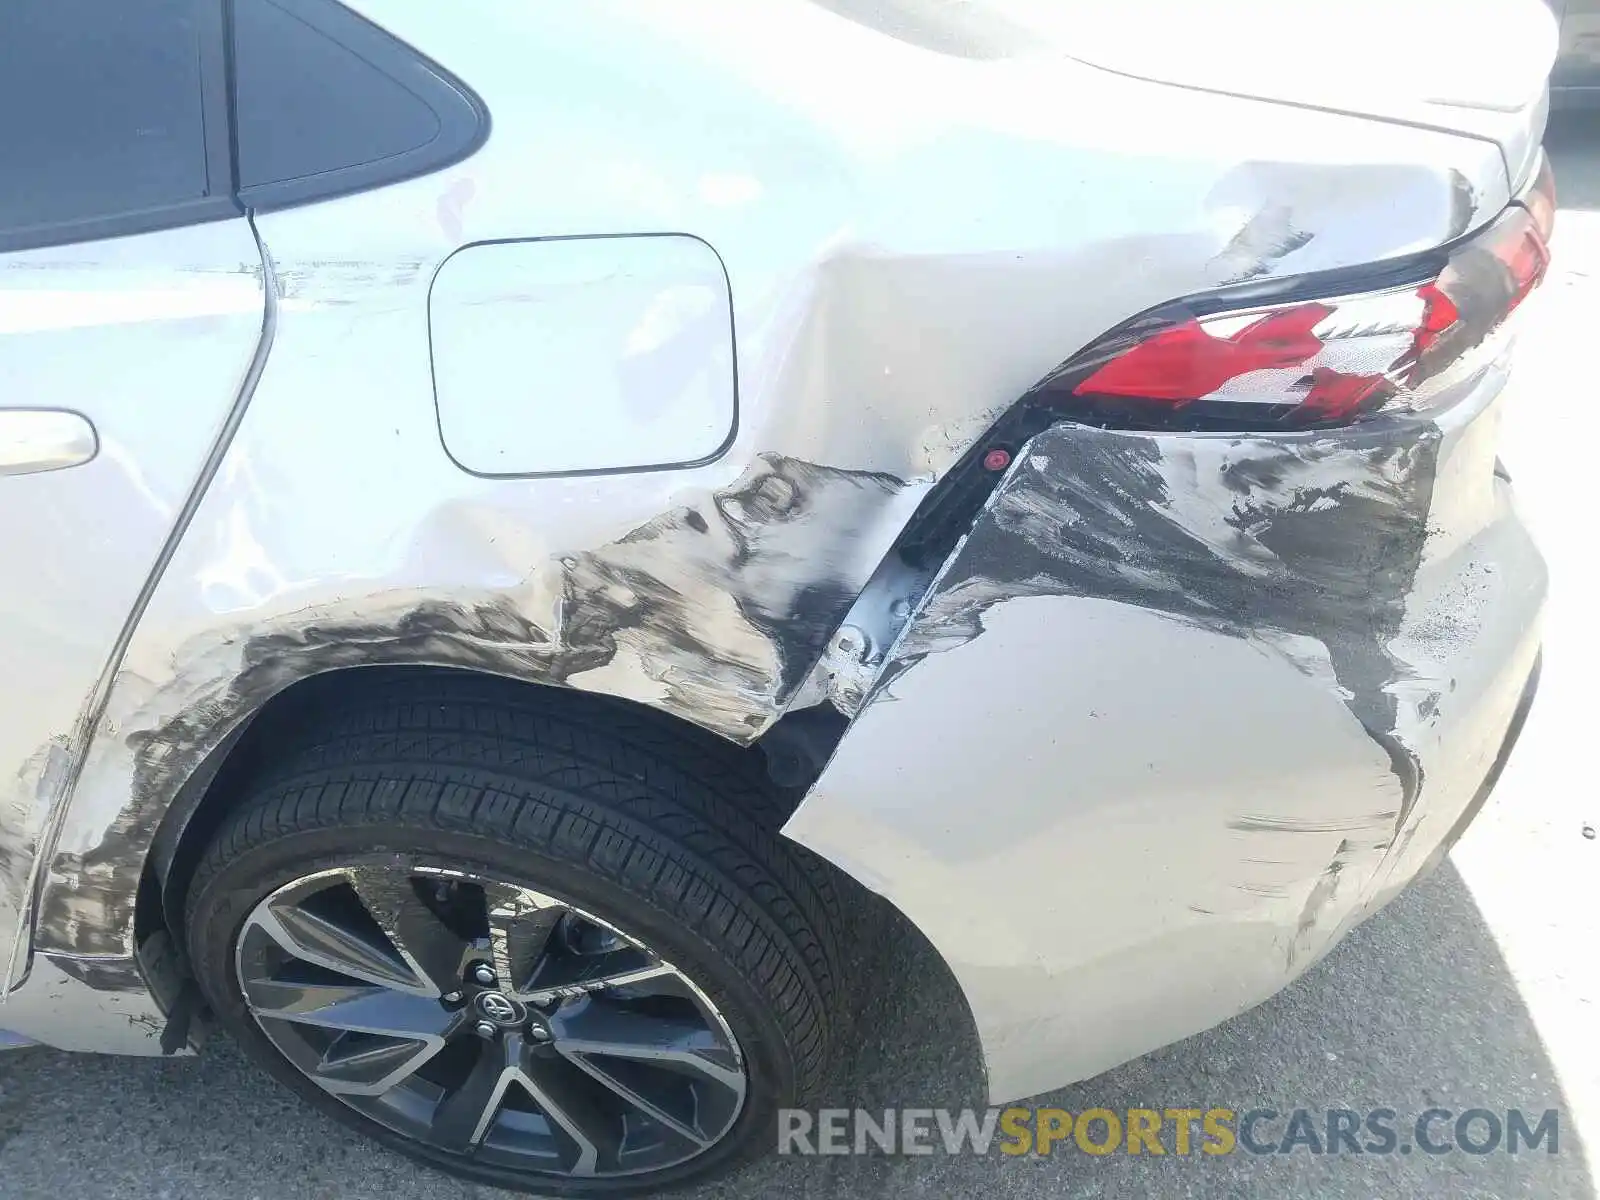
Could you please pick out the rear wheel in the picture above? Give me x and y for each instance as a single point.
(532, 954)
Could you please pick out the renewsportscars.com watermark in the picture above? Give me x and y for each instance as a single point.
(1180, 1132)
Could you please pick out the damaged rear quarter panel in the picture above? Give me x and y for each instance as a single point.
(893, 292)
(1174, 714)
(713, 611)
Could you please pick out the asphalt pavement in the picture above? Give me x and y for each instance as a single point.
(1479, 988)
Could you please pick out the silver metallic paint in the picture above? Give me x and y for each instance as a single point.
(81, 544)
(1179, 712)
(912, 239)
(101, 1005)
(634, 333)
(44, 439)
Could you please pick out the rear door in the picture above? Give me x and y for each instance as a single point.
(131, 307)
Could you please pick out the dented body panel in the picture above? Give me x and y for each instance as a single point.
(78, 545)
(903, 263)
(1179, 712)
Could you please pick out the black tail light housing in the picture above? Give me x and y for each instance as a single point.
(1324, 351)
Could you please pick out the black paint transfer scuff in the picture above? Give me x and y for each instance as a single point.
(1264, 239)
(715, 611)
(1310, 542)
(102, 974)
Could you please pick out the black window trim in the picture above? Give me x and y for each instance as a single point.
(216, 107)
(464, 127)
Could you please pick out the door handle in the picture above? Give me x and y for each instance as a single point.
(44, 439)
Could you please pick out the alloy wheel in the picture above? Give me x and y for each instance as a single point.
(490, 1021)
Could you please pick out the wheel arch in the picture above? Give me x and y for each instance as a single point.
(202, 802)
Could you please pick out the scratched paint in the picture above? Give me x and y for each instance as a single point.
(892, 297)
(714, 611)
(872, 350)
(1310, 543)
(1191, 706)
(103, 1006)
(1307, 545)
(1297, 219)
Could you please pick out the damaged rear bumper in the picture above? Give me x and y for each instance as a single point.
(1179, 712)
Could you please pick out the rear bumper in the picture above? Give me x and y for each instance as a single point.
(1178, 713)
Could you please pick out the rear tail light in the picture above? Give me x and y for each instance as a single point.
(1313, 362)
(1300, 363)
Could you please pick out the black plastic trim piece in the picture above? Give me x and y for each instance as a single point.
(1319, 285)
(463, 118)
(216, 101)
(231, 125)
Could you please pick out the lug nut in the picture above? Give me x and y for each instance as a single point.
(485, 1029)
(484, 974)
(538, 1033)
(452, 997)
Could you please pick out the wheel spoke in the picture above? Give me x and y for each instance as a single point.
(591, 1136)
(315, 939)
(633, 977)
(427, 945)
(520, 924)
(625, 977)
(464, 1115)
(378, 1038)
(360, 1008)
(672, 1043)
(636, 1096)
(570, 974)
(355, 1065)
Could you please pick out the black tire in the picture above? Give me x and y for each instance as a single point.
(654, 827)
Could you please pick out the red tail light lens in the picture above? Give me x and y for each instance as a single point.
(1188, 361)
(1318, 361)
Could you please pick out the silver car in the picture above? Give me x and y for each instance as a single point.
(518, 518)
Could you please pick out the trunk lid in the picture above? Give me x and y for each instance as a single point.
(1477, 67)
(1472, 67)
